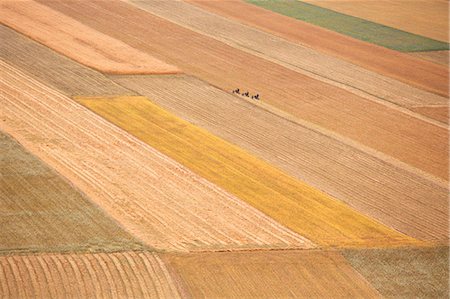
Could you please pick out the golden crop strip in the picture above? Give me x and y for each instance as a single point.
(307, 211)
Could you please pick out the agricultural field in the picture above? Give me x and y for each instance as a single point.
(224, 149)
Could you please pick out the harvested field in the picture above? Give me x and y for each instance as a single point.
(404, 273)
(40, 211)
(358, 28)
(380, 188)
(384, 61)
(427, 18)
(159, 201)
(77, 41)
(53, 69)
(272, 274)
(312, 214)
(413, 141)
(438, 113)
(296, 57)
(439, 57)
(113, 275)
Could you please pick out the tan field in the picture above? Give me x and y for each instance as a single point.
(77, 41)
(413, 141)
(423, 17)
(404, 273)
(290, 55)
(33, 218)
(53, 69)
(438, 113)
(439, 57)
(101, 275)
(162, 203)
(373, 184)
(272, 274)
(387, 62)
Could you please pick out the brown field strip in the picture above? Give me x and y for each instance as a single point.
(427, 18)
(297, 57)
(158, 200)
(318, 217)
(77, 41)
(404, 273)
(413, 141)
(100, 275)
(40, 211)
(272, 274)
(387, 62)
(394, 196)
(438, 113)
(440, 57)
(53, 69)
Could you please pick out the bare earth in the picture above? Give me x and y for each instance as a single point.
(423, 17)
(78, 41)
(409, 202)
(413, 141)
(101, 275)
(440, 57)
(438, 113)
(271, 274)
(159, 201)
(387, 62)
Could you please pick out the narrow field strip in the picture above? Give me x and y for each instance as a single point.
(100, 275)
(162, 203)
(77, 41)
(307, 211)
(438, 113)
(41, 212)
(271, 274)
(413, 141)
(401, 66)
(297, 57)
(428, 18)
(53, 69)
(404, 273)
(361, 29)
(395, 196)
(439, 57)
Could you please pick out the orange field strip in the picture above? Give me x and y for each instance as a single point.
(77, 41)
(413, 141)
(439, 57)
(387, 62)
(100, 275)
(373, 184)
(272, 274)
(438, 113)
(159, 201)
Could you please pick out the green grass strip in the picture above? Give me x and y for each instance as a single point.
(352, 26)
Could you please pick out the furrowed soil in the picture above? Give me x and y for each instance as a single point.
(438, 113)
(320, 218)
(413, 141)
(439, 57)
(101, 275)
(271, 274)
(40, 211)
(53, 69)
(296, 57)
(358, 28)
(427, 18)
(384, 61)
(158, 200)
(77, 41)
(387, 191)
(404, 273)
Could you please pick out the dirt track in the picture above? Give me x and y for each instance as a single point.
(53, 69)
(403, 200)
(40, 211)
(78, 41)
(382, 60)
(299, 58)
(408, 139)
(427, 18)
(114, 275)
(273, 274)
(159, 201)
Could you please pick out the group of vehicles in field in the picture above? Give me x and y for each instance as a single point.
(246, 94)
